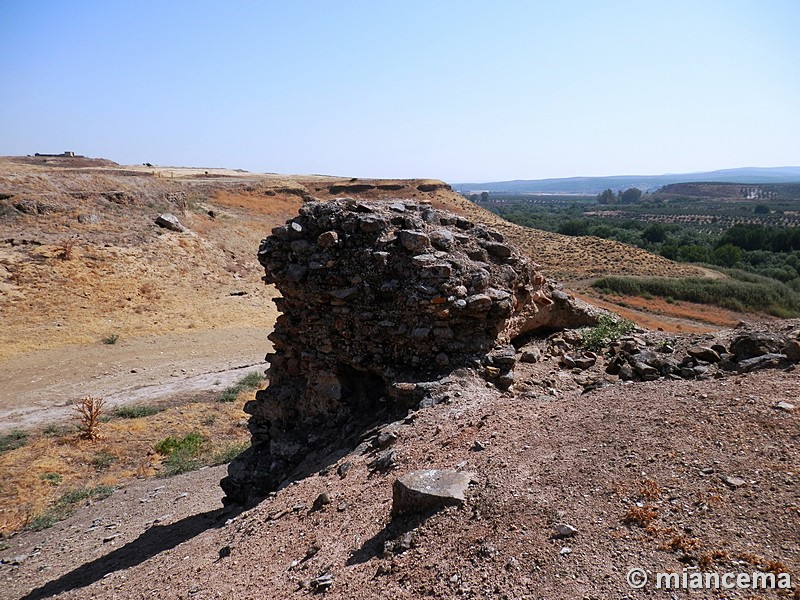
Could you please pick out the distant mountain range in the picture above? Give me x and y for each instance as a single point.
(647, 183)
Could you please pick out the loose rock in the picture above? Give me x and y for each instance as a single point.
(170, 221)
(420, 491)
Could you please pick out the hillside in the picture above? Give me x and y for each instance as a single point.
(82, 258)
(649, 183)
(697, 476)
(697, 466)
(730, 191)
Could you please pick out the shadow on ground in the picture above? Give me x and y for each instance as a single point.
(155, 540)
(394, 530)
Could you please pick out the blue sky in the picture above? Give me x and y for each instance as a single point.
(455, 90)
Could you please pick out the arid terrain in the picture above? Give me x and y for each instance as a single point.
(98, 300)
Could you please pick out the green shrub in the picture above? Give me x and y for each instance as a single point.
(42, 521)
(135, 411)
(181, 462)
(182, 455)
(12, 440)
(54, 478)
(230, 394)
(606, 330)
(58, 430)
(111, 339)
(103, 460)
(251, 381)
(192, 442)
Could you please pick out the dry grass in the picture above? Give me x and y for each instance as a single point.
(650, 490)
(134, 291)
(279, 205)
(53, 462)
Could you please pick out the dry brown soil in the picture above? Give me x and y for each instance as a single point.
(637, 469)
(41, 387)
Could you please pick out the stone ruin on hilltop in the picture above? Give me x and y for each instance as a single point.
(380, 301)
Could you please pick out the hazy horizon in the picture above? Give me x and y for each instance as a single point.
(459, 91)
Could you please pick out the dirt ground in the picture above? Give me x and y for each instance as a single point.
(637, 469)
(41, 387)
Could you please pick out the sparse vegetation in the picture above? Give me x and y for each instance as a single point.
(251, 381)
(111, 339)
(66, 505)
(606, 330)
(15, 439)
(743, 292)
(135, 411)
(126, 451)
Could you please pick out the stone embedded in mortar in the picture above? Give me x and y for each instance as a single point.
(376, 297)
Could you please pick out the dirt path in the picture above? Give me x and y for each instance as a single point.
(41, 386)
(139, 521)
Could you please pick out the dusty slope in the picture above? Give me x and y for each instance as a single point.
(40, 387)
(583, 459)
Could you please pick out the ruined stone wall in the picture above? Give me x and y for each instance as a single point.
(379, 298)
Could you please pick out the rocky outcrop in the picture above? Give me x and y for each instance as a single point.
(380, 301)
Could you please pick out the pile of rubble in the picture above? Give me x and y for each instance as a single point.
(634, 358)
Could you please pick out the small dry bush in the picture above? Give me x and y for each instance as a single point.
(89, 410)
(708, 559)
(641, 516)
(149, 290)
(66, 249)
(682, 543)
(650, 490)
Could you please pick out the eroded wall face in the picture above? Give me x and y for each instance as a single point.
(378, 300)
